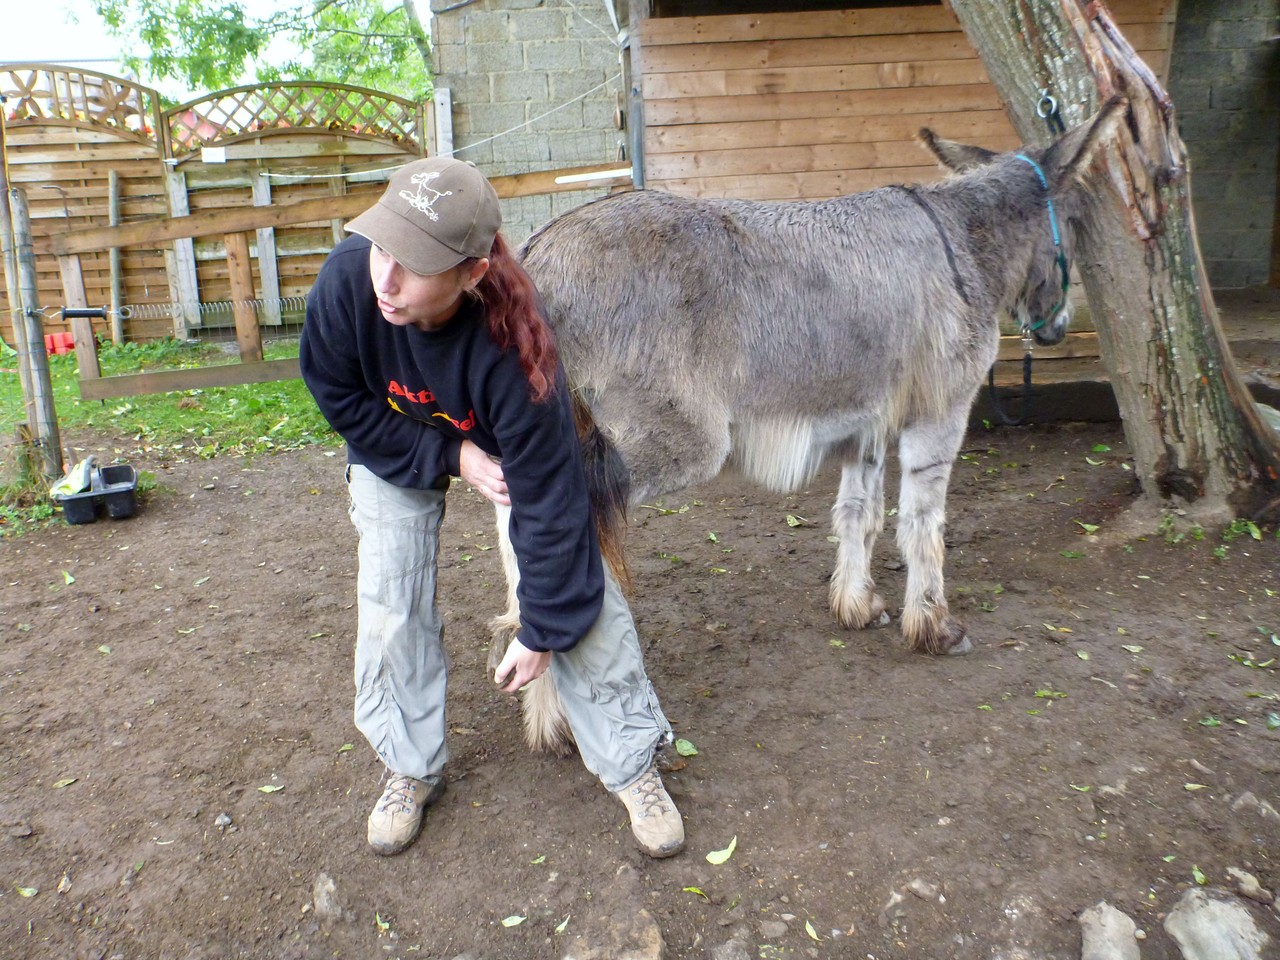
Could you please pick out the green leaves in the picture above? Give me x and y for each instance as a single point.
(718, 857)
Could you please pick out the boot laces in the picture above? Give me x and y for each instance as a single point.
(649, 795)
(399, 792)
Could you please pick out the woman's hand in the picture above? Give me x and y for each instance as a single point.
(520, 666)
(483, 473)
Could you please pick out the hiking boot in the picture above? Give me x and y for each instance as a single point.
(397, 817)
(655, 821)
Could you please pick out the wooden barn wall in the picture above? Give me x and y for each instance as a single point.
(810, 105)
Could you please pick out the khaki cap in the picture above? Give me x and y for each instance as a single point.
(434, 214)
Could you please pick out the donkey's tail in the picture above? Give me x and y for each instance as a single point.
(608, 488)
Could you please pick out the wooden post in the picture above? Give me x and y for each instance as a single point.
(268, 266)
(117, 279)
(248, 335)
(40, 413)
(10, 256)
(184, 287)
(73, 296)
(442, 126)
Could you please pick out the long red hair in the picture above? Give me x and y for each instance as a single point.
(515, 318)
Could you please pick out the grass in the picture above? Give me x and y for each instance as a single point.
(242, 421)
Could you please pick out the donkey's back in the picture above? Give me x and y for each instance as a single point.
(802, 310)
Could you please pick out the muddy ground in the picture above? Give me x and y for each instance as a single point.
(180, 767)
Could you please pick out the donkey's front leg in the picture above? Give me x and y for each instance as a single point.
(926, 452)
(546, 727)
(857, 519)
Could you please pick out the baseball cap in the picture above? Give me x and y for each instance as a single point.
(435, 213)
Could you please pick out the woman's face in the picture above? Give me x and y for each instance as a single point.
(410, 299)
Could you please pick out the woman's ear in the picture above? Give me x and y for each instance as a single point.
(476, 269)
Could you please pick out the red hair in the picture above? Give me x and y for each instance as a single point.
(515, 318)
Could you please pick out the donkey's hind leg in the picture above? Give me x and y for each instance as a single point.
(926, 452)
(546, 728)
(857, 519)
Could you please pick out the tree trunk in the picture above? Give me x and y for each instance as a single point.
(420, 39)
(1191, 423)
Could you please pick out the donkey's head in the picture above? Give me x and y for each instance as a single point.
(1045, 183)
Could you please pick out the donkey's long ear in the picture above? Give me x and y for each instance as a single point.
(959, 157)
(1071, 155)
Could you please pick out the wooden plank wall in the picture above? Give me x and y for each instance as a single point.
(809, 105)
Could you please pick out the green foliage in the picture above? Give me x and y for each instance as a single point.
(210, 45)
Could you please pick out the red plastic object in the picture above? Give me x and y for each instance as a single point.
(62, 342)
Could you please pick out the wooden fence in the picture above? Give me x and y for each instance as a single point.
(91, 150)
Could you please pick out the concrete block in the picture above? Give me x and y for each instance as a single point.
(578, 148)
(1190, 36)
(1234, 274)
(493, 57)
(1208, 188)
(1190, 95)
(467, 88)
(541, 24)
(481, 154)
(1239, 34)
(520, 86)
(564, 202)
(1260, 61)
(1243, 94)
(450, 59)
(1253, 127)
(487, 27)
(487, 119)
(522, 150)
(1203, 64)
(553, 55)
(566, 84)
(1205, 125)
(598, 113)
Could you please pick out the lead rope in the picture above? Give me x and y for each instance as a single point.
(1046, 110)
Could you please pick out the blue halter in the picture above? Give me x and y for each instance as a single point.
(1057, 243)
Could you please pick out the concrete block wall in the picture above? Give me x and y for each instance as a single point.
(1225, 84)
(535, 86)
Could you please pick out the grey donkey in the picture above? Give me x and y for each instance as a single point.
(775, 335)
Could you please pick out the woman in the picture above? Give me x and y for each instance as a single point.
(426, 350)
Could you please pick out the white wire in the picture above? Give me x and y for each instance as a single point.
(351, 174)
(521, 126)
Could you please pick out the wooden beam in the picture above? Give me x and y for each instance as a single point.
(248, 336)
(198, 378)
(268, 264)
(317, 210)
(73, 295)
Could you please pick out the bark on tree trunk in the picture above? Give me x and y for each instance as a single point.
(1191, 423)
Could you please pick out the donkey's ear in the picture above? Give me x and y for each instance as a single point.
(1071, 155)
(955, 156)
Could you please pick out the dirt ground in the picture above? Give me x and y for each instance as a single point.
(181, 772)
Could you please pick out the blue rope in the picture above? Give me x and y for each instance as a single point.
(1057, 239)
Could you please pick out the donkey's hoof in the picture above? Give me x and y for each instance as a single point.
(503, 634)
(860, 613)
(965, 645)
(946, 637)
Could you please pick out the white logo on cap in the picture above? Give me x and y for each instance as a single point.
(426, 195)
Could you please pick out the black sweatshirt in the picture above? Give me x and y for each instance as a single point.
(404, 400)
